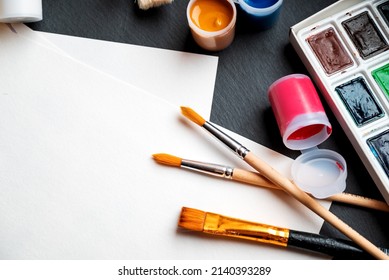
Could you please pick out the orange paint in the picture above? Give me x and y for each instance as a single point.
(211, 15)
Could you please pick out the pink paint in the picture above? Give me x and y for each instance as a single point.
(299, 112)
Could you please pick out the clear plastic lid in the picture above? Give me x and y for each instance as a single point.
(320, 172)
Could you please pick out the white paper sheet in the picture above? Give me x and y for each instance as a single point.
(77, 180)
(179, 77)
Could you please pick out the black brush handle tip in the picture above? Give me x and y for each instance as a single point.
(334, 247)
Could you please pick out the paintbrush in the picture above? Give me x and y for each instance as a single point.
(147, 4)
(284, 183)
(216, 224)
(256, 179)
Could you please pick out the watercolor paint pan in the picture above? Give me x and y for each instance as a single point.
(345, 48)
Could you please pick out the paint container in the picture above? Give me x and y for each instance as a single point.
(345, 48)
(212, 23)
(381, 76)
(20, 10)
(365, 35)
(330, 52)
(379, 147)
(360, 101)
(303, 125)
(260, 14)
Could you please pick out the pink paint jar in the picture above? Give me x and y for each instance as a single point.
(303, 125)
(299, 112)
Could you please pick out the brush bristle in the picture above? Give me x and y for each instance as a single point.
(192, 219)
(168, 159)
(192, 115)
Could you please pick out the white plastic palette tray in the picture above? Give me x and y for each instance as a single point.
(345, 47)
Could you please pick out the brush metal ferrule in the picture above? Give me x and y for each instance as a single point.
(208, 168)
(234, 145)
(225, 226)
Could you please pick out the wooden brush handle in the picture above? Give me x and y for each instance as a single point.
(283, 182)
(256, 179)
(360, 201)
(252, 178)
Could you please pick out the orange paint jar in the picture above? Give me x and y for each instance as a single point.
(212, 23)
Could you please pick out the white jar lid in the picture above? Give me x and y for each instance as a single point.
(20, 10)
(320, 172)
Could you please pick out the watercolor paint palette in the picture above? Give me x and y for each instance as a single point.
(345, 47)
